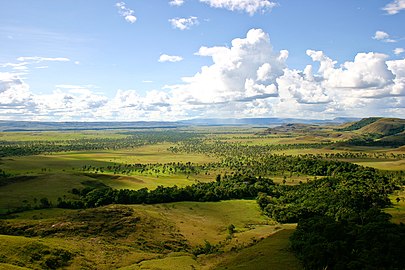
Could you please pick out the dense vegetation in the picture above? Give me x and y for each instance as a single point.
(235, 187)
(340, 223)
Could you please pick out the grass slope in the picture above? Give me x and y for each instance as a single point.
(359, 124)
(385, 126)
(270, 253)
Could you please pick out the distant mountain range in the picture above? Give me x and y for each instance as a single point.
(265, 122)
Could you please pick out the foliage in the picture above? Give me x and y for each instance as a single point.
(321, 242)
(232, 187)
(206, 248)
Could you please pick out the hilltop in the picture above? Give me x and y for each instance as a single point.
(377, 125)
(376, 131)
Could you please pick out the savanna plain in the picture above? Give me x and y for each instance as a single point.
(294, 196)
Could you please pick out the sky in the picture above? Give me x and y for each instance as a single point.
(167, 60)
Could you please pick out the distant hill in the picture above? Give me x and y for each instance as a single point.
(377, 131)
(291, 128)
(53, 126)
(385, 126)
(360, 124)
(44, 126)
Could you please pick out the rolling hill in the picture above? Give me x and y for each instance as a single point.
(376, 131)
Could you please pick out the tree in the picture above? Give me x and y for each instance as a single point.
(231, 229)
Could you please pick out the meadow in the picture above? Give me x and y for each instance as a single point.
(47, 221)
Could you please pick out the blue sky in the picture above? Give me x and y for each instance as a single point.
(169, 60)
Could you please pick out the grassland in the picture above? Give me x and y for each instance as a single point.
(159, 236)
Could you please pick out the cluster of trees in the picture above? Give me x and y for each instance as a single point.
(358, 155)
(373, 140)
(348, 195)
(322, 242)
(340, 220)
(224, 149)
(231, 187)
(187, 168)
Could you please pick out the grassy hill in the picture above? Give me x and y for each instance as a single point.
(375, 131)
(384, 126)
(359, 124)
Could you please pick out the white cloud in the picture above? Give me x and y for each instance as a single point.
(394, 7)
(368, 70)
(38, 59)
(383, 36)
(169, 58)
(24, 62)
(126, 13)
(184, 23)
(73, 87)
(380, 35)
(16, 66)
(248, 6)
(241, 72)
(246, 79)
(302, 87)
(176, 2)
(399, 51)
(397, 67)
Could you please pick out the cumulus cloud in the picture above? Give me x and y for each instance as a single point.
(383, 36)
(169, 58)
(246, 70)
(126, 13)
(69, 102)
(368, 70)
(16, 99)
(399, 51)
(184, 23)
(176, 2)
(248, 78)
(248, 6)
(380, 35)
(394, 7)
(397, 67)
